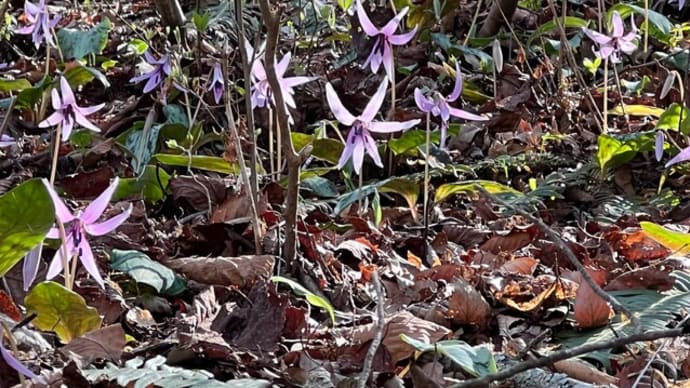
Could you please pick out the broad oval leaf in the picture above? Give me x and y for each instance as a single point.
(144, 270)
(27, 215)
(77, 44)
(570, 22)
(14, 85)
(61, 310)
(150, 185)
(201, 162)
(469, 187)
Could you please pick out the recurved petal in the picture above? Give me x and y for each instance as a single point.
(606, 51)
(347, 151)
(659, 146)
(66, 91)
(392, 25)
(96, 208)
(388, 60)
(401, 39)
(62, 213)
(683, 155)
(89, 262)
(598, 38)
(617, 23)
(30, 267)
(375, 103)
(295, 81)
(55, 266)
(457, 88)
(154, 80)
(465, 115)
(392, 126)
(367, 26)
(370, 146)
(281, 67)
(627, 46)
(52, 120)
(15, 364)
(84, 122)
(87, 110)
(339, 111)
(424, 103)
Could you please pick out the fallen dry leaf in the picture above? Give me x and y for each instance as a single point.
(103, 344)
(466, 306)
(225, 271)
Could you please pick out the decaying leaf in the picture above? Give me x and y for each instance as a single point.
(466, 306)
(225, 271)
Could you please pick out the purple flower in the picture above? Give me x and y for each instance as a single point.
(261, 89)
(6, 141)
(437, 105)
(683, 156)
(359, 140)
(82, 225)
(681, 3)
(659, 145)
(611, 46)
(217, 83)
(40, 24)
(67, 112)
(13, 362)
(161, 70)
(382, 52)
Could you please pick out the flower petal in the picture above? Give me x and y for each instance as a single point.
(55, 266)
(13, 362)
(465, 115)
(375, 103)
(84, 122)
(626, 46)
(347, 151)
(370, 146)
(87, 110)
(96, 208)
(339, 111)
(358, 154)
(401, 39)
(62, 213)
(607, 51)
(367, 26)
(52, 120)
(617, 23)
(597, 37)
(388, 61)
(55, 100)
(30, 266)
(66, 91)
(393, 24)
(89, 262)
(457, 88)
(295, 81)
(109, 225)
(659, 146)
(683, 155)
(423, 102)
(392, 126)
(282, 66)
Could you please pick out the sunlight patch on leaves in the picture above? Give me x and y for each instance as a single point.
(469, 187)
(678, 242)
(310, 297)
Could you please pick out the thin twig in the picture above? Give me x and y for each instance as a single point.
(556, 239)
(570, 353)
(380, 326)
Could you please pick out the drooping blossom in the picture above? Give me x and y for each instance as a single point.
(6, 141)
(13, 362)
(261, 89)
(217, 83)
(40, 25)
(67, 112)
(659, 145)
(385, 38)
(612, 46)
(359, 140)
(437, 105)
(160, 69)
(78, 227)
(682, 156)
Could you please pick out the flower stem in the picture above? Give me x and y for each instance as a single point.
(360, 194)
(279, 153)
(605, 127)
(65, 262)
(391, 116)
(56, 153)
(426, 172)
(271, 161)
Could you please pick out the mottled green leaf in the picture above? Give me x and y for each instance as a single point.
(77, 44)
(144, 270)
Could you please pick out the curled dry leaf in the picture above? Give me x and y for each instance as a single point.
(520, 265)
(527, 294)
(467, 306)
(225, 271)
(402, 322)
(105, 344)
(514, 240)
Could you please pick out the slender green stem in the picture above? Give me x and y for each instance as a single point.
(426, 171)
(61, 226)
(620, 93)
(605, 127)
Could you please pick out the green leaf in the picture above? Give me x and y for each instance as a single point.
(478, 361)
(328, 150)
(147, 185)
(659, 21)
(81, 75)
(176, 114)
(146, 271)
(409, 141)
(468, 187)
(321, 187)
(201, 162)
(678, 242)
(408, 188)
(14, 85)
(616, 151)
(671, 117)
(27, 213)
(142, 144)
(311, 298)
(300, 140)
(61, 310)
(77, 44)
(636, 110)
(570, 22)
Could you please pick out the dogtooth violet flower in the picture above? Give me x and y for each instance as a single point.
(611, 46)
(67, 112)
(217, 83)
(13, 362)
(81, 225)
(261, 89)
(40, 24)
(437, 105)
(385, 38)
(659, 145)
(160, 69)
(359, 140)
